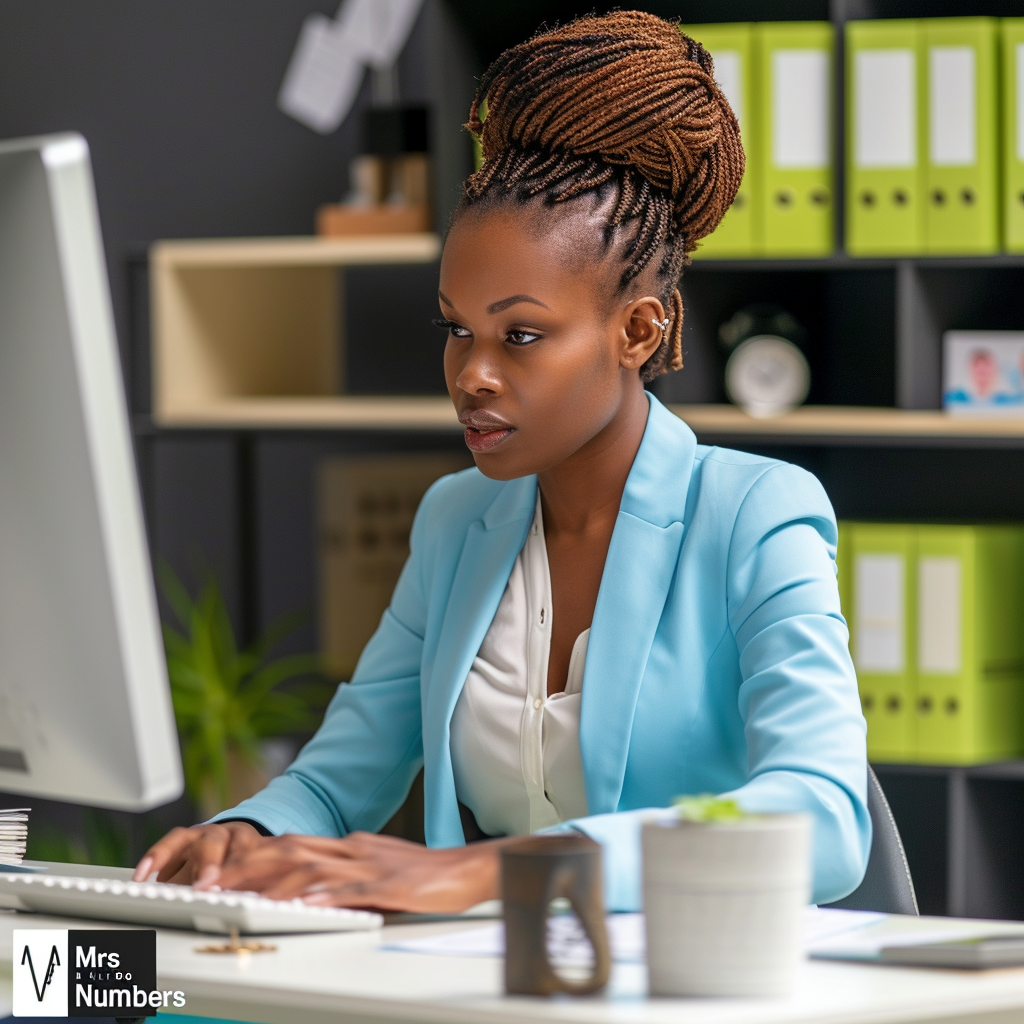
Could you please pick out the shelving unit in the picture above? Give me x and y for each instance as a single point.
(237, 320)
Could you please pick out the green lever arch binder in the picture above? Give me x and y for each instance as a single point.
(881, 610)
(1013, 132)
(795, 182)
(884, 211)
(961, 135)
(731, 46)
(970, 643)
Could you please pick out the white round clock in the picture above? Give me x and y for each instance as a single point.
(767, 376)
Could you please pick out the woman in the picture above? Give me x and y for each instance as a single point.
(603, 614)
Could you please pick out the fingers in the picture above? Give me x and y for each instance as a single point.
(168, 853)
(207, 855)
(187, 855)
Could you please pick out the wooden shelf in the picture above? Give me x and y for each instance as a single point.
(840, 261)
(342, 412)
(298, 252)
(809, 425)
(852, 425)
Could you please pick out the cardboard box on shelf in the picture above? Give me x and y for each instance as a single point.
(366, 510)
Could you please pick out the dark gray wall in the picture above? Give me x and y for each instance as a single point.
(178, 103)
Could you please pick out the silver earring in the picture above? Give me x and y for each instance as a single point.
(663, 324)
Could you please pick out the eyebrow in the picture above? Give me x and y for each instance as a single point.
(512, 300)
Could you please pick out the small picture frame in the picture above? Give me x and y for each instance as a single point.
(983, 373)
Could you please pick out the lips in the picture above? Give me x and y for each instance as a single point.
(485, 431)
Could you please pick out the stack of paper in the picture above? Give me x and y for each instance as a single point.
(13, 835)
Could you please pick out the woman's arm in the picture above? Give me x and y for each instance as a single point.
(798, 697)
(356, 771)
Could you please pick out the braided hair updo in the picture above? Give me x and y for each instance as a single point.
(624, 106)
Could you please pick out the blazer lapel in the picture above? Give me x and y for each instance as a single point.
(491, 547)
(637, 577)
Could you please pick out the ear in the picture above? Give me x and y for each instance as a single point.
(641, 336)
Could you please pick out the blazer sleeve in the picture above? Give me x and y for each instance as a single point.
(798, 698)
(357, 769)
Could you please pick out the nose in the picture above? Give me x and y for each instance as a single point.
(476, 372)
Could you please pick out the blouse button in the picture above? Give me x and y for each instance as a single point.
(543, 615)
(537, 704)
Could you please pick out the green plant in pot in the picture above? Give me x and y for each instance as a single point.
(229, 701)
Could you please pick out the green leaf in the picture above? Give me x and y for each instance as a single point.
(708, 808)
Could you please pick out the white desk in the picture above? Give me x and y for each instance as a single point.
(348, 979)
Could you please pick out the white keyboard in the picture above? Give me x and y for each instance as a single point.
(163, 905)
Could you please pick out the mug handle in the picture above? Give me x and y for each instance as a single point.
(565, 883)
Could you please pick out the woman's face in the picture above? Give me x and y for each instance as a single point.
(540, 358)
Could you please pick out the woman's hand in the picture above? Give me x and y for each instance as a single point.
(194, 856)
(365, 870)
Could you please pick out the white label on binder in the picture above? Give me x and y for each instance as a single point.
(879, 583)
(939, 615)
(885, 108)
(1020, 100)
(952, 106)
(800, 102)
(729, 76)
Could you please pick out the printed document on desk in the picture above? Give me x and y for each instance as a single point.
(569, 946)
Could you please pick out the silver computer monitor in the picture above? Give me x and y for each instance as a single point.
(85, 709)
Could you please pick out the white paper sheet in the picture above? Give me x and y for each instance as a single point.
(568, 946)
(324, 76)
(330, 58)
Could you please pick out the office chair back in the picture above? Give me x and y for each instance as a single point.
(887, 885)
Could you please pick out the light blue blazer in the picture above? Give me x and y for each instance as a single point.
(718, 662)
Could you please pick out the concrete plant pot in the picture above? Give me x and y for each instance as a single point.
(723, 902)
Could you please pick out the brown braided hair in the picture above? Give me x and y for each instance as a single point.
(626, 106)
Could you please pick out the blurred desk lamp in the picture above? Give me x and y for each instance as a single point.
(85, 708)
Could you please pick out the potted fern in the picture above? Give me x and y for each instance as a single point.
(229, 701)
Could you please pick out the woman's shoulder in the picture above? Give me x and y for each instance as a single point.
(465, 497)
(751, 492)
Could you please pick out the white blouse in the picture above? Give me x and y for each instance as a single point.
(515, 750)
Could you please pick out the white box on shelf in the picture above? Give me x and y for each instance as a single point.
(983, 373)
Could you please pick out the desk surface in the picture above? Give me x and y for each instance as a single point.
(349, 979)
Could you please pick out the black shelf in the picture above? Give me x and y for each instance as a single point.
(960, 827)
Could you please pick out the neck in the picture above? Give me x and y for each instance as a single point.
(583, 493)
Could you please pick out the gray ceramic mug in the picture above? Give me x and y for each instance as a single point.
(534, 871)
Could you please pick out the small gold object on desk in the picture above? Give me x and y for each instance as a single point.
(234, 946)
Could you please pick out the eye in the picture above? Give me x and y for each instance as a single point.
(517, 336)
(456, 330)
